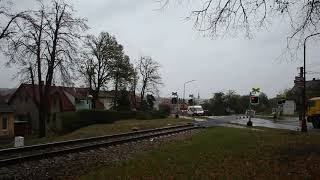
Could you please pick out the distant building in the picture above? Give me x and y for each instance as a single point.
(25, 100)
(312, 90)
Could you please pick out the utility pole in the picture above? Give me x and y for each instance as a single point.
(304, 122)
(301, 100)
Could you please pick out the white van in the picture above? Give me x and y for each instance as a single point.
(195, 111)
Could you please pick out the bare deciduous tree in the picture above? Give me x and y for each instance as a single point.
(96, 62)
(133, 84)
(8, 20)
(150, 75)
(47, 39)
(219, 17)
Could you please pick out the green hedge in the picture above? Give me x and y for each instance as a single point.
(164, 109)
(75, 120)
(148, 115)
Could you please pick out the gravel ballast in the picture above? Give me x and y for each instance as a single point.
(70, 166)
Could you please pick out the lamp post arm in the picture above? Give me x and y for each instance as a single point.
(184, 88)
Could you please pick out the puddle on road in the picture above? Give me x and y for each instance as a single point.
(289, 124)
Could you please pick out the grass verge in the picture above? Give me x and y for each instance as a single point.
(225, 153)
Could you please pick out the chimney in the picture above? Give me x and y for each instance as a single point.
(301, 71)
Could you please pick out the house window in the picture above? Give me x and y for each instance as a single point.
(4, 121)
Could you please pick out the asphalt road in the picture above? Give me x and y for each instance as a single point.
(289, 123)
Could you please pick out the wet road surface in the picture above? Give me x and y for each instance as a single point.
(288, 123)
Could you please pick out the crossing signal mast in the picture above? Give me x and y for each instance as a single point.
(254, 100)
(175, 103)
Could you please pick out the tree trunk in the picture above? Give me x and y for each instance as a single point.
(141, 96)
(143, 90)
(134, 97)
(41, 113)
(95, 95)
(115, 100)
(32, 83)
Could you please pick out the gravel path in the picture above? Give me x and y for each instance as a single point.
(71, 166)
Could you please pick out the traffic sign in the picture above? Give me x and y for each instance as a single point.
(255, 90)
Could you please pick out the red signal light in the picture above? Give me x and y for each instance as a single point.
(254, 100)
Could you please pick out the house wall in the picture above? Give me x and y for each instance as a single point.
(107, 102)
(288, 107)
(26, 110)
(9, 132)
(54, 122)
(83, 104)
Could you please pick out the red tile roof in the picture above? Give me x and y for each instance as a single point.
(57, 92)
(79, 93)
(65, 103)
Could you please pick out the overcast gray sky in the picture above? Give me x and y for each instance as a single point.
(185, 54)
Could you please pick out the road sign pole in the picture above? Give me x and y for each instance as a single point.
(249, 123)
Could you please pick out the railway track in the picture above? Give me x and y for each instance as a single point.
(42, 151)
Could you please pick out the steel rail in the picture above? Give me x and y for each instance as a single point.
(83, 140)
(65, 150)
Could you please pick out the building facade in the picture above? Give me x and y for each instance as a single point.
(25, 100)
(6, 121)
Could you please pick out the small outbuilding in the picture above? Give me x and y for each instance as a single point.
(289, 107)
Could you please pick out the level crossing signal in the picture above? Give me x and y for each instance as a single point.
(254, 100)
(174, 100)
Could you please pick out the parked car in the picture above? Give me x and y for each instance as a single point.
(195, 111)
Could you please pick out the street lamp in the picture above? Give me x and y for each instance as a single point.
(184, 89)
(304, 123)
